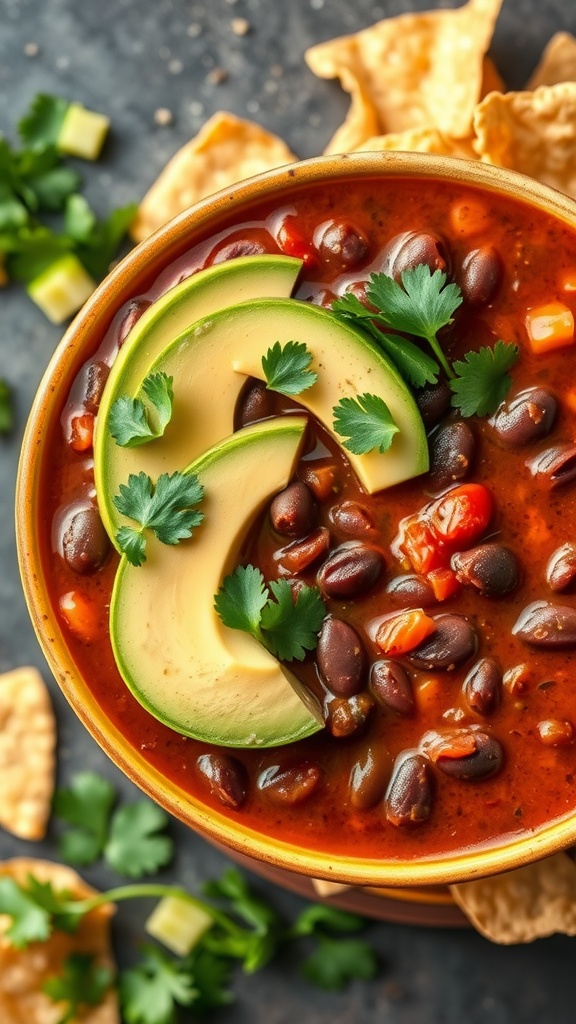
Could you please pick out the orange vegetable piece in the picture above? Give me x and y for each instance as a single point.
(404, 632)
(444, 583)
(568, 281)
(82, 436)
(321, 480)
(80, 614)
(469, 217)
(550, 327)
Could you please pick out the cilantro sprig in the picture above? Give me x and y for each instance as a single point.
(244, 929)
(285, 624)
(131, 423)
(167, 509)
(366, 422)
(129, 837)
(286, 368)
(421, 305)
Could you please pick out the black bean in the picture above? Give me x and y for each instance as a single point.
(492, 569)
(129, 316)
(556, 466)
(290, 785)
(481, 275)
(254, 403)
(561, 567)
(546, 625)
(341, 243)
(451, 453)
(528, 416)
(410, 591)
(352, 518)
(411, 248)
(341, 658)
(483, 686)
(465, 754)
(85, 543)
(347, 716)
(351, 570)
(453, 643)
(292, 510)
(226, 777)
(554, 732)
(408, 799)
(301, 554)
(390, 684)
(369, 777)
(433, 401)
(239, 247)
(90, 384)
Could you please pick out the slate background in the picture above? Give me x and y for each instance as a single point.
(128, 58)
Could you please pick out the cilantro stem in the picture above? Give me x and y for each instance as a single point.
(437, 350)
(128, 892)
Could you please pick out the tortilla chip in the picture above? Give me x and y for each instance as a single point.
(27, 753)
(227, 149)
(419, 140)
(324, 888)
(492, 80)
(24, 971)
(412, 71)
(531, 132)
(522, 905)
(557, 63)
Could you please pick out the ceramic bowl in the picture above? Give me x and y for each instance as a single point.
(131, 277)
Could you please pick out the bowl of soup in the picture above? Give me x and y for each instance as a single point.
(295, 518)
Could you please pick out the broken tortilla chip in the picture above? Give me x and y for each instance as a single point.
(522, 905)
(419, 140)
(492, 80)
(411, 71)
(531, 132)
(226, 150)
(557, 63)
(27, 753)
(23, 972)
(324, 888)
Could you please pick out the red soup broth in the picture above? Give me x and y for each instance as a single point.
(533, 714)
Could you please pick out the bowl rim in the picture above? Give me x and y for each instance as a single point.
(511, 851)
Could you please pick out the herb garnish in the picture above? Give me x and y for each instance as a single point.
(244, 929)
(421, 306)
(129, 420)
(285, 624)
(127, 837)
(83, 983)
(167, 509)
(286, 368)
(367, 423)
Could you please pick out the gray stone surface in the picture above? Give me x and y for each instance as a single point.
(128, 58)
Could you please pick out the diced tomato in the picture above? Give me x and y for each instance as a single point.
(550, 327)
(293, 244)
(80, 614)
(416, 540)
(402, 633)
(461, 516)
(321, 480)
(82, 432)
(444, 583)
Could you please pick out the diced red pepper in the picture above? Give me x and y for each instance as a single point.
(444, 583)
(80, 614)
(82, 432)
(461, 516)
(402, 633)
(418, 543)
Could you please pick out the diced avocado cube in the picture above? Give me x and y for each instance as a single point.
(62, 288)
(177, 924)
(83, 132)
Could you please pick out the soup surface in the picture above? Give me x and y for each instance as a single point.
(469, 736)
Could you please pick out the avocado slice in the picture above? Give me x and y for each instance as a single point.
(189, 670)
(198, 296)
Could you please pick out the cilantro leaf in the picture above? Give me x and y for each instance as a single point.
(414, 365)
(86, 806)
(256, 947)
(151, 991)
(166, 509)
(133, 847)
(129, 420)
(30, 922)
(366, 422)
(241, 598)
(287, 626)
(290, 625)
(82, 983)
(323, 916)
(483, 379)
(98, 250)
(6, 409)
(336, 961)
(32, 250)
(286, 368)
(41, 125)
(79, 219)
(211, 974)
(421, 305)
